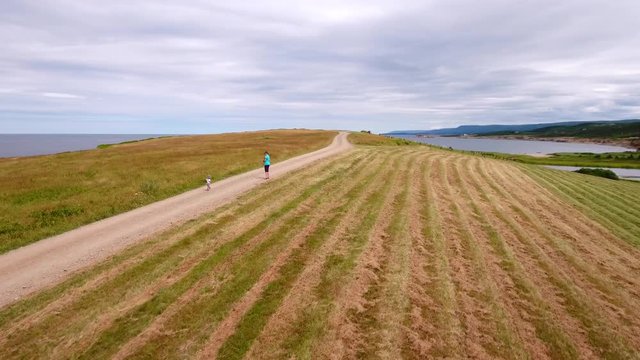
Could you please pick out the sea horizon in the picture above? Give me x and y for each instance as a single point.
(35, 144)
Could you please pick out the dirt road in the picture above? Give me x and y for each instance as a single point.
(51, 260)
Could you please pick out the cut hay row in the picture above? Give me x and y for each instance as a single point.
(617, 212)
(579, 297)
(284, 324)
(385, 252)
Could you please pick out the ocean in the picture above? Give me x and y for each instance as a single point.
(13, 145)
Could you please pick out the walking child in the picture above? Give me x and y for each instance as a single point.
(208, 181)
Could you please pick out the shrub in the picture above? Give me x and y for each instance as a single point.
(599, 172)
(50, 217)
(149, 187)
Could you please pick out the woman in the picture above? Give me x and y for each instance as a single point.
(267, 162)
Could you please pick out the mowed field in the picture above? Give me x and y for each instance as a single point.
(385, 252)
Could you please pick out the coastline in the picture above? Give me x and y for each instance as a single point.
(13, 146)
(631, 144)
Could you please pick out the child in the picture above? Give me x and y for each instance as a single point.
(267, 163)
(208, 181)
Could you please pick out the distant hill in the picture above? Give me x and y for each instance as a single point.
(594, 130)
(513, 129)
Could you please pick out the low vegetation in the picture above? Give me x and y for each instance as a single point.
(387, 251)
(104, 146)
(599, 172)
(368, 139)
(45, 195)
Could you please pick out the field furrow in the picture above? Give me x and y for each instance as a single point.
(603, 339)
(321, 329)
(602, 187)
(533, 299)
(375, 307)
(235, 334)
(385, 252)
(280, 326)
(594, 207)
(486, 322)
(434, 329)
(571, 224)
(609, 281)
(611, 207)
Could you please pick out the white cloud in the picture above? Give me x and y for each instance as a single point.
(197, 66)
(61, 95)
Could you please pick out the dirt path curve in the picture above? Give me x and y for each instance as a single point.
(49, 261)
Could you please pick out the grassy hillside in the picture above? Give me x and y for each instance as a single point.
(45, 195)
(592, 130)
(387, 251)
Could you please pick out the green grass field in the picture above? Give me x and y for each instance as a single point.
(389, 251)
(43, 196)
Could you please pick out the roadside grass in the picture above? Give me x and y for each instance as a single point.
(43, 196)
(370, 182)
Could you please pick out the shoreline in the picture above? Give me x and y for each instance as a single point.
(632, 145)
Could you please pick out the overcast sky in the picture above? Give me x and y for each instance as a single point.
(194, 66)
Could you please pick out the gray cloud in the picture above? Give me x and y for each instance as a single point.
(183, 67)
